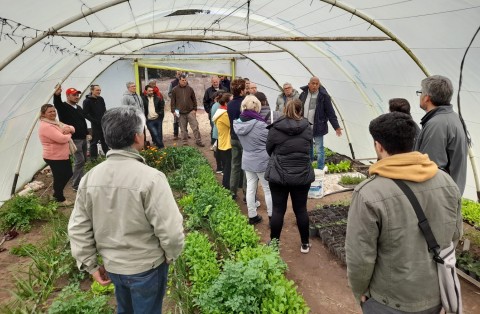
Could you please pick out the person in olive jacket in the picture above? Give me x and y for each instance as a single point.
(289, 169)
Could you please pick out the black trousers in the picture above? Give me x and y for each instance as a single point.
(298, 194)
(226, 157)
(218, 160)
(97, 136)
(62, 172)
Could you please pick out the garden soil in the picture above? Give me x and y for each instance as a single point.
(320, 277)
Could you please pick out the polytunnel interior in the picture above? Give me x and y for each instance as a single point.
(393, 45)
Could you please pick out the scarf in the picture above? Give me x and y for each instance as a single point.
(60, 125)
(250, 114)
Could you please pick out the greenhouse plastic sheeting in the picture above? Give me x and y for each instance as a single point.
(359, 75)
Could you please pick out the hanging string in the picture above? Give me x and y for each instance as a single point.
(469, 139)
(27, 33)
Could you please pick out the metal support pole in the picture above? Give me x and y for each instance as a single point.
(215, 37)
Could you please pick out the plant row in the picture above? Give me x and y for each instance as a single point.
(51, 262)
(223, 268)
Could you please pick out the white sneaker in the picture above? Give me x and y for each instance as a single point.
(325, 169)
(305, 248)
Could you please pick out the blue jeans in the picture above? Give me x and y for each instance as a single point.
(141, 293)
(156, 130)
(320, 152)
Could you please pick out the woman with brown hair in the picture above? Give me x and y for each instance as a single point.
(289, 171)
(224, 144)
(56, 139)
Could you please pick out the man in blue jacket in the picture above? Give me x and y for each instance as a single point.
(318, 109)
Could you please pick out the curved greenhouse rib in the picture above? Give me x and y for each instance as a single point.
(382, 28)
(414, 58)
(60, 25)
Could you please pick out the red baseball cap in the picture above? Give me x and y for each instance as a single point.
(72, 91)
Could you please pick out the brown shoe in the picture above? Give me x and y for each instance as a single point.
(200, 144)
(175, 137)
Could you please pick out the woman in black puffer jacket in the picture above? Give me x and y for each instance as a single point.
(289, 170)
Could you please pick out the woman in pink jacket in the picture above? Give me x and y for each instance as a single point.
(56, 139)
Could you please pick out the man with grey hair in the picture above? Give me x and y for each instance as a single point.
(288, 94)
(153, 84)
(126, 213)
(318, 109)
(443, 136)
(130, 97)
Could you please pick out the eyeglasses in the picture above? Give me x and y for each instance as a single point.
(419, 92)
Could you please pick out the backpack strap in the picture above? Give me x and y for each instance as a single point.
(422, 221)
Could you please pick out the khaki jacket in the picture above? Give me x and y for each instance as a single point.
(125, 212)
(387, 255)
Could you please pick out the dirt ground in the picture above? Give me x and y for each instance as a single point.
(320, 278)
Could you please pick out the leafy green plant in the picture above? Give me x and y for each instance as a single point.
(351, 180)
(50, 261)
(93, 162)
(201, 259)
(253, 283)
(473, 235)
(329, 153)
(471, 212)
(72, 300)
(19, 211)
(98, 289)
(179, 290)
(22, 250)
(342, 166)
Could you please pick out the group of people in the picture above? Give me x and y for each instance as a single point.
(390, 269)
(68, 136)
(256, 144)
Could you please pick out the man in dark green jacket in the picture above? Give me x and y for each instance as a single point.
(389, 267)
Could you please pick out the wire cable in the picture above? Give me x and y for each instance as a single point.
(469, 139)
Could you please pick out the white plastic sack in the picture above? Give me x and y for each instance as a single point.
(317, 186)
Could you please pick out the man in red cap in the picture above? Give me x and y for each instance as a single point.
(72, 114)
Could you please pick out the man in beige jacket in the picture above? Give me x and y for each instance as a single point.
(125, 212)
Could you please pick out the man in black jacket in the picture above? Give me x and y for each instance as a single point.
(154, 112)
(208, 100)
(72, 114)
(94, 108)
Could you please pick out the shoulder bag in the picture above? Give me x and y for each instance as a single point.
(444, 259)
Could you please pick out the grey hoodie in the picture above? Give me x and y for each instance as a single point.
(253, 137)
(130, 99)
